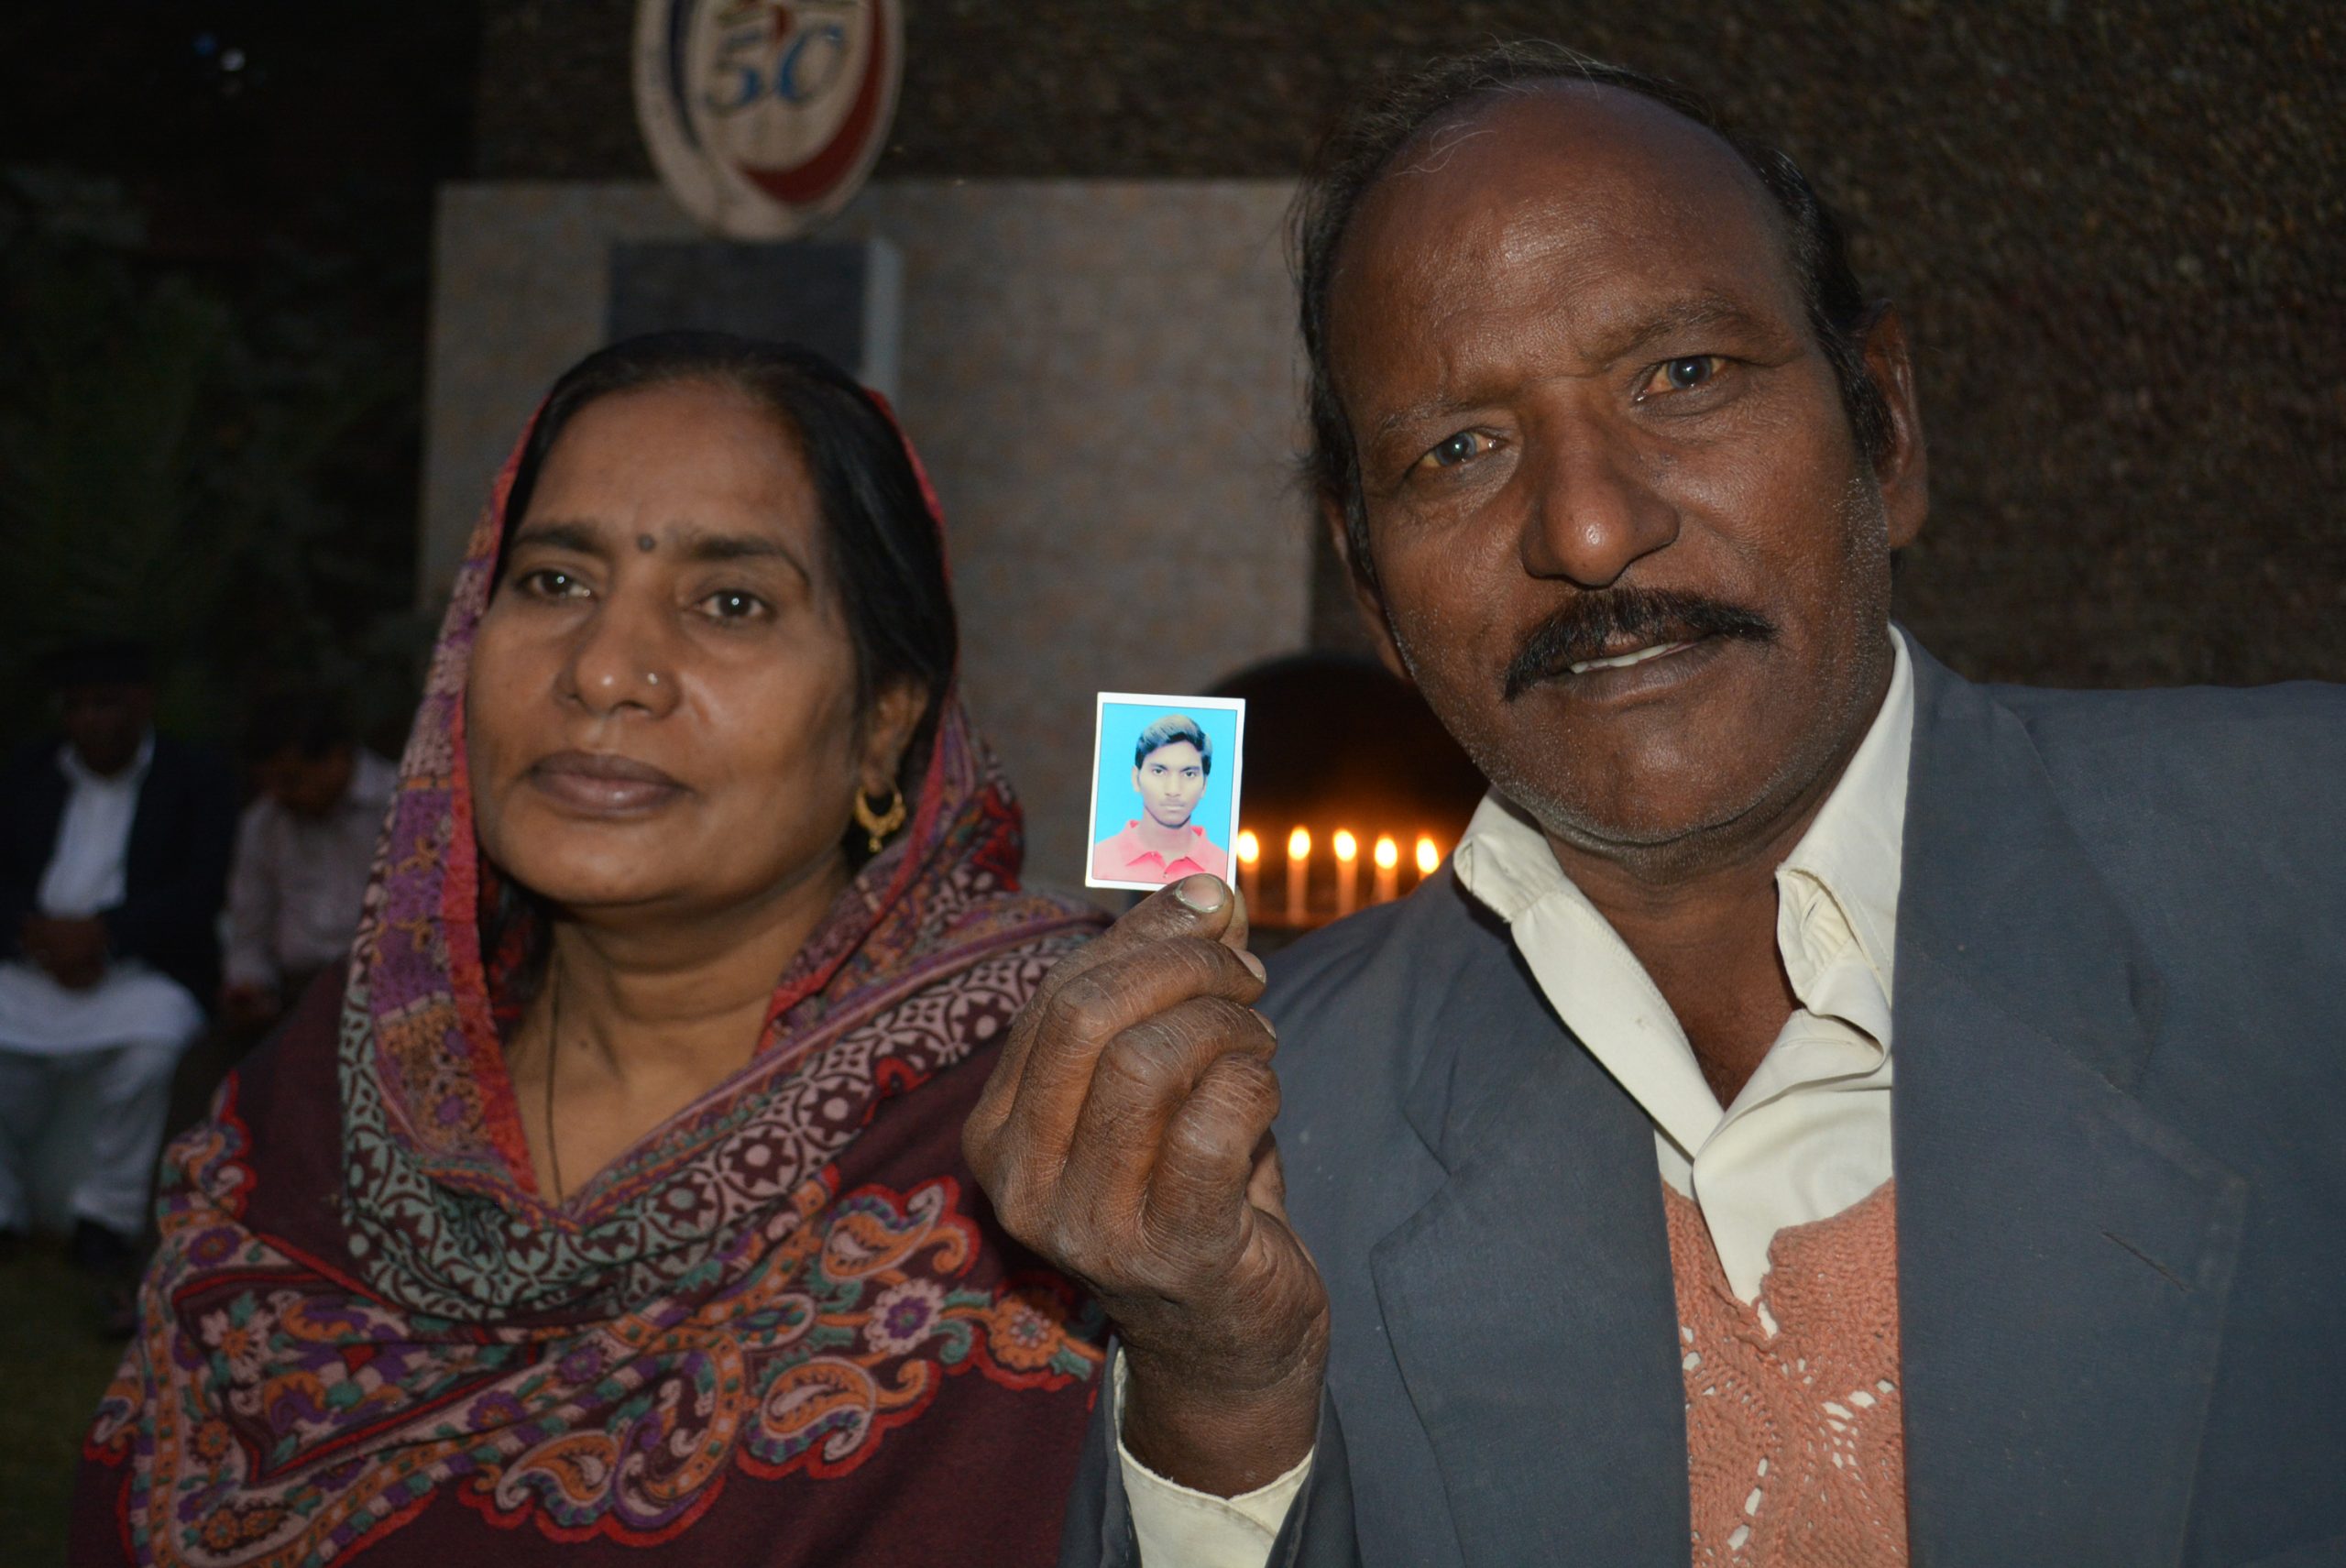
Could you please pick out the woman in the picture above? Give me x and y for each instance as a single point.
(566, 1229)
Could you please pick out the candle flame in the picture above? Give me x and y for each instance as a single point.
(1429, 857)
(1347, 847)
(1388, 854)
(1298, 844)
(1249, 848)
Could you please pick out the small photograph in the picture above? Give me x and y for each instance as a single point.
(1164, 788)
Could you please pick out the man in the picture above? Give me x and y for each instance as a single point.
(304, 850)
(1172, 758)
(113, 847)
(1827, 1110)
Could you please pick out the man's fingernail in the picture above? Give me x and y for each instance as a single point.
(1254, 965)
(1201, 893)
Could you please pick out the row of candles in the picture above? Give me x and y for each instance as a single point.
(1385, 887)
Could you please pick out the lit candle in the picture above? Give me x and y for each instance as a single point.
(1347, 871)
(1299, 873)
(1250, 851)
(1388, 868)
(1429, 857)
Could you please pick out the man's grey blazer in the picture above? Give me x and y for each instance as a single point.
(2118, 1137)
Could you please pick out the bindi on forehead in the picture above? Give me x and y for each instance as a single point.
(646, 544)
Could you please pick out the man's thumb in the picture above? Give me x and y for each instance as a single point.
(1197, 905)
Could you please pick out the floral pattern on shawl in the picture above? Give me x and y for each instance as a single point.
(432, 1142)
(712, 1303)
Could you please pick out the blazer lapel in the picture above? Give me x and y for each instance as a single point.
(1528, 1302)
(2063, 1256)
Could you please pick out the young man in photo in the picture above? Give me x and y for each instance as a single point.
(1172, 760)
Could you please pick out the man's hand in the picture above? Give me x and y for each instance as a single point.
(1125, 1136)
(72, 951)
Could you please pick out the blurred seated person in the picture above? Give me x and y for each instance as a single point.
(1172, 758)
(615, 1205)
(113, 848)
(304, 850)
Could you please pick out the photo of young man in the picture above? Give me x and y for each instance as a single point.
(1172, 760)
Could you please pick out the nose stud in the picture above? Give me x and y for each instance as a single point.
(651, 678)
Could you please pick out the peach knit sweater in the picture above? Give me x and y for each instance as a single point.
(1795, 1449)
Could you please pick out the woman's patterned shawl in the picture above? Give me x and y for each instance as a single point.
(784, 1322)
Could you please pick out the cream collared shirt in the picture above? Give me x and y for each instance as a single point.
(1807, 1136)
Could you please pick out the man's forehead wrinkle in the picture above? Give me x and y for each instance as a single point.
(1619, 329)
(1471, 352)
(1548, 232)
(1450, 289)
(1470, 344)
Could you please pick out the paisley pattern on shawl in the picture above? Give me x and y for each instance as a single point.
(713, 1305)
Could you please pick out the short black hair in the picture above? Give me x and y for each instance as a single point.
(1174, 727)
(1361, 147)
(310, 721)
(883, 538)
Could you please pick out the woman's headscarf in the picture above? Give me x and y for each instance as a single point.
(338, 1327)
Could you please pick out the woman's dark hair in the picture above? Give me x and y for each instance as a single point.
(883, 540)
(1362, 147)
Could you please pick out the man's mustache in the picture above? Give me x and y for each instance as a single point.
(1639, 616)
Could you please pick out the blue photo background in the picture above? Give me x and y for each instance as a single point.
(1115, 804)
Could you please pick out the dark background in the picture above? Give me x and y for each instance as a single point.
(2114, 230)
(214, 276)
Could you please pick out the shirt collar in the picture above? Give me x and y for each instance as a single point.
(1588, 974)
(1503, 858)
(1132, 851)
(1852, 852)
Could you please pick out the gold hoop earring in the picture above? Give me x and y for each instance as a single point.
(878, 824)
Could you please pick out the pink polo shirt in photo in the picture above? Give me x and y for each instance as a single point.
(1123, 857)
